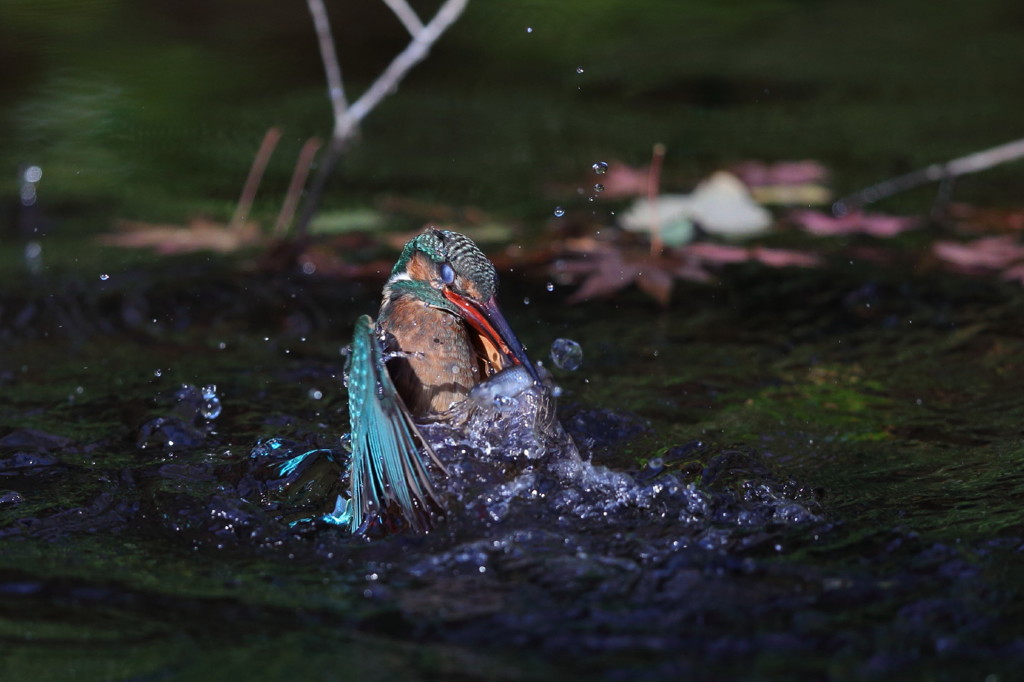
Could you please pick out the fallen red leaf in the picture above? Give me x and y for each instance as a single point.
(199, 235)
(758, 173)
(974, 219)
(874, 224)
(783, 258)
(622, 180)
(993, 253)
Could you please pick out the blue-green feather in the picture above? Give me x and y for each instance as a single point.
(386, 468)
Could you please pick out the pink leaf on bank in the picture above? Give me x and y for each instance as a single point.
(990, 252)
(758, 173)
(874, 224)
(1014, 274)
(782, 258)
(623, 180)
(723, 254)
(717, 253)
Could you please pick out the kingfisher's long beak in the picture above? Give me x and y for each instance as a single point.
(487, 319)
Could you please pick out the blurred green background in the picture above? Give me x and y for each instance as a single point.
(153, 111)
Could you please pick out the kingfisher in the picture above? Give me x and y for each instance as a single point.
(438, 335)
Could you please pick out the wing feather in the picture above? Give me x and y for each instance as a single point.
(386, 468)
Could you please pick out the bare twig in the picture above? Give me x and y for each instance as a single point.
(329, 56)
(406, 15)
(653, 184)
(388, 81)
(936, 172)
(347, 118)
(252, 182)
(298, 181)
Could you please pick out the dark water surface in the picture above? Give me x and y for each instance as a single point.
(834, 492)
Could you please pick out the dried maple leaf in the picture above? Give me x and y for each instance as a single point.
(606, 268)
(759, 174)
(724, 254)
(623, 180)
(710, 252)
(974, 219)
(990, 253)
(1014, 274)
(199, 235)
(784, 258)
(787, 183)
(856, 222)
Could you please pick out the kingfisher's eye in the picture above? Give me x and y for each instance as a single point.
(447, 274)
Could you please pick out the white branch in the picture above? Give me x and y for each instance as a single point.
(984, 160)
(972, 163)
(388, 81)
(347, 118)
(407, 15)
(335, 87)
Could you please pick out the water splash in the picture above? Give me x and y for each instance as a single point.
(566, 354)
(211, 407)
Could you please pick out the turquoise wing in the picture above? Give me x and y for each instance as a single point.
(386, 471)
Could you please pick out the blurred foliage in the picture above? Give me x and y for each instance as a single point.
(154, 111)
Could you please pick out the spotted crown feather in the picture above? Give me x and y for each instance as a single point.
(468, 260)
(459, 251)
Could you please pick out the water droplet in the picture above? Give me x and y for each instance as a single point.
(599, 187)
(211, 407)
(579, 69)
(158, 372)
(315, 394)
(104, 277)
(529, 29)
(559, 211)
(526, 300)
(33, 174)
(656, 463)
(600, 167)
(566, 354)
(550, 286)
